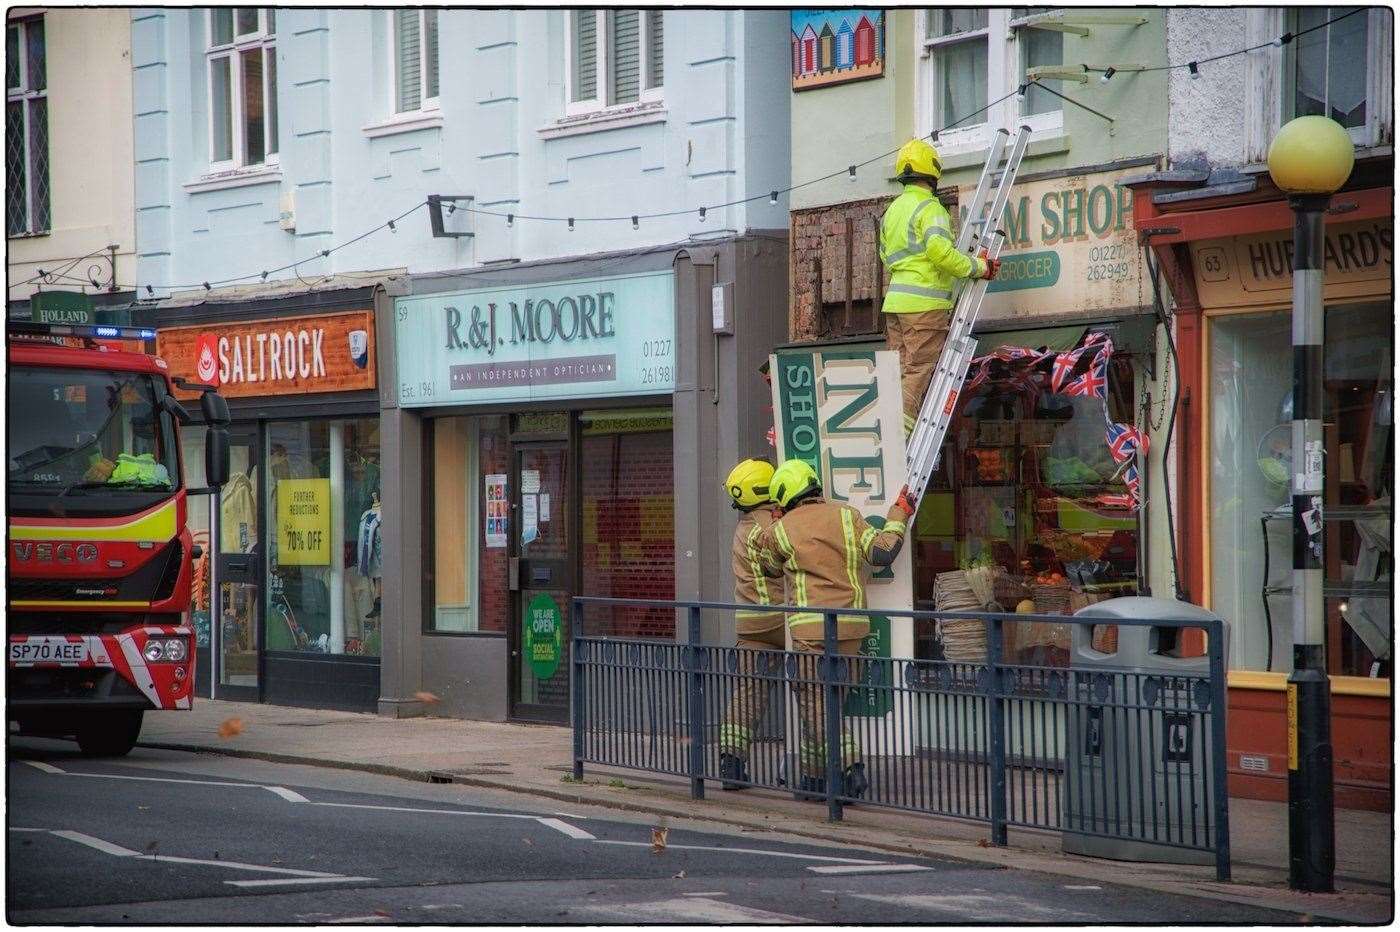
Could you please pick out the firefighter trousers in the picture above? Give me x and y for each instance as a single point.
(811, 705)
(918, 338)
(748, 701)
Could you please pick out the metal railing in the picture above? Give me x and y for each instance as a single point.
(1131, 756)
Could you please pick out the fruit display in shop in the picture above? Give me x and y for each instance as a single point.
(1025, 607)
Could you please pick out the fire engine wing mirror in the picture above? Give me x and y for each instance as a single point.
(216, 456)
(175, 409)
(214, 407)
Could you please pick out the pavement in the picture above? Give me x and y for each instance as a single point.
(536, 760)
(175, 837)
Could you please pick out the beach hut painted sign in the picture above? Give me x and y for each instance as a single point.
(835, 46)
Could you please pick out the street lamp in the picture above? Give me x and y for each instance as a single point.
(1309, 160)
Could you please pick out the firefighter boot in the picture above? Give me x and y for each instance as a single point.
(810, 789)
(854, 781)
(732, 772)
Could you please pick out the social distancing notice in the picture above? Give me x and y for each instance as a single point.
(304, 522)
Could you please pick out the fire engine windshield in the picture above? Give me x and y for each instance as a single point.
(77, 434)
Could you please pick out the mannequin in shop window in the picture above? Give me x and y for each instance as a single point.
(369, 557)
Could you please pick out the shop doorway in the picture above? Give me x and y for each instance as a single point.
(541, 580)
(238, 573)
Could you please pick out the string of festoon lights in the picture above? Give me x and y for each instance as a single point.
(1105, 72)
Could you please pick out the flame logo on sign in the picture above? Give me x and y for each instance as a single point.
(206, 366)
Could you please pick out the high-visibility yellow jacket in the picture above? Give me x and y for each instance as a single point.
(758, 578)
(826, 551)
(916, 246)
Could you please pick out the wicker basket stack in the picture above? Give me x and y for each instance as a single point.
(964, 641)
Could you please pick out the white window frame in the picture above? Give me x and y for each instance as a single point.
(426, 104)
(266, 43)
(24, 95)
(1003, 37)
(1267, 77)
(646, 93)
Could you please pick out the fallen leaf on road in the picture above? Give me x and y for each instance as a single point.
(143, 807)
(680, 876)
(528, 841)
(658, 839)
(380, 912)
(230, 727)
(983, 843)
(427, 697)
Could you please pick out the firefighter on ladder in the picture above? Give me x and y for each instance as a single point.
(826, 550)
(758, 581)
(916, 247)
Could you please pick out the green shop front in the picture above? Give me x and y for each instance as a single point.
(555, 431)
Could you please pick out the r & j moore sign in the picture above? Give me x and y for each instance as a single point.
(601, 337)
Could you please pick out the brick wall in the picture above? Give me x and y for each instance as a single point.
(818, 238)
(493, 562)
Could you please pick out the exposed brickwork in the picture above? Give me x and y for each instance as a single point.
(494, 453)
(821, 233)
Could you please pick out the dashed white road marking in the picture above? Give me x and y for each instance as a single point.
(291, 796)
(239, 866)
(16, 828)
(698, 911)
(282, 881)
(45, 767)
(571, 830)
(358, 920)
(106, 847)
(774, 854)
(1082, 886)
(707, 893)
(979, 907)
(867, 868)
(462, 812)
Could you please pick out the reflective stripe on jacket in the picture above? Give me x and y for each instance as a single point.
(758, 580)
(826, 551)
(916, 246)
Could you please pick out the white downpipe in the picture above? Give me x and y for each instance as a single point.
(337, 566)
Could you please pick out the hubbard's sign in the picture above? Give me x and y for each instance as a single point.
(590, 338)
(841, 411)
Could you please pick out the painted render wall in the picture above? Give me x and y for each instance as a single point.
(722, 130)
(88, 55)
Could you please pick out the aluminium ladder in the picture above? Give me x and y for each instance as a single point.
(941, 398)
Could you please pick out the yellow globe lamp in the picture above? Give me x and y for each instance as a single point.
(1311, 155)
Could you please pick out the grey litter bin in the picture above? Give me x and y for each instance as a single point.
(1136, 778)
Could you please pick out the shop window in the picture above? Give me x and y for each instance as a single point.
(628, 538)
(26, 129)
(324, 546)
(242, 69)
(415, 37)
(1027, 486)
(1250, 542)
(615, 58)
(469, 515)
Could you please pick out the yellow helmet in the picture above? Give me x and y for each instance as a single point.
(792, 480)
(918, 159)
(748, 483)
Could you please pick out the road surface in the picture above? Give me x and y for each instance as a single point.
(172, 837)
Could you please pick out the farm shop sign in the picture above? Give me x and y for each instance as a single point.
(285, 356)
(1258, 269)
(1070, 249)
(602, 337)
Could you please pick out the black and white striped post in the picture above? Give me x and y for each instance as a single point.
(1310, 159)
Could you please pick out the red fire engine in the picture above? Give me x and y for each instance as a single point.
(99, 552)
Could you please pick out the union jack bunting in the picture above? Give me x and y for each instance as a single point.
(1064, 365)
(1134, 484)
(1125, 441)
(1117, 501)
(1093, 383)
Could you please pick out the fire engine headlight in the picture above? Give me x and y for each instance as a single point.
(166, 650)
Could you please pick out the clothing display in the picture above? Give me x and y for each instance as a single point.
(369, 556)
(238, 530)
